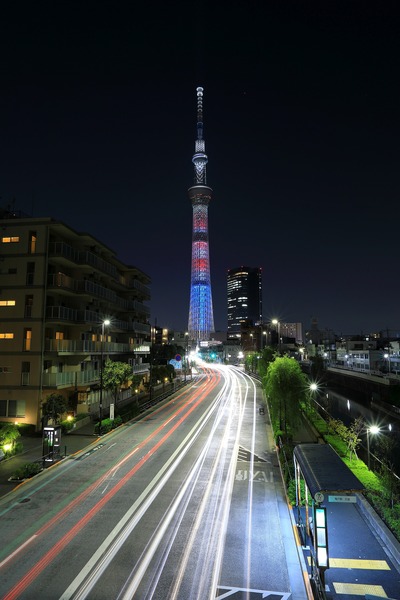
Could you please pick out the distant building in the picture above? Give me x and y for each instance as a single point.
(58, 287)
(244, 293)
(291, 331)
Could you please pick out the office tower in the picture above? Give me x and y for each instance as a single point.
(201, 318)
(66, 303)
(244, 298)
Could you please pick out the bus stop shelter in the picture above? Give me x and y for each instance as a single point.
(326, 479)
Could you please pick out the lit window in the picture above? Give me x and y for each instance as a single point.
(59, 335)
(27, 339)
(10, 240)
(32, 242)
(7, 302)
(6, 336)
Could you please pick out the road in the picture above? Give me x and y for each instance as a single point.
(183, 503)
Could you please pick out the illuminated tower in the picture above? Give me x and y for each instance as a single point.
(201, 318)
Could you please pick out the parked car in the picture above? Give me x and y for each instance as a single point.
(261, 410)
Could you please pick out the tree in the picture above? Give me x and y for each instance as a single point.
(352, 438)
(116, 374)
(267, 357)
(54, 407)
(9, 434)
(286, 387)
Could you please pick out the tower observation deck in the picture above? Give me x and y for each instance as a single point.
(201, 317)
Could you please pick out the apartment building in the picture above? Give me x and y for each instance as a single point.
(58, 288)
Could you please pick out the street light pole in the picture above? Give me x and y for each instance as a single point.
(278, 329)
(373, 429)
(387, 356)
(106, 322)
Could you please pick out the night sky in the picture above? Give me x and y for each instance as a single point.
(302, 130)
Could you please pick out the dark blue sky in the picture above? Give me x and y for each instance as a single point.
(301, 117)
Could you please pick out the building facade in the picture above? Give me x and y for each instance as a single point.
(244, 293)
(201, 316)
(58, 289)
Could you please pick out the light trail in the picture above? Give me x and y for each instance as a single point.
(35, 571)
(89, 575)
(196, 579)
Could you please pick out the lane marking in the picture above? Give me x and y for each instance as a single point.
(359, 589)
(357, 563)
(5, 561)
(228, 591)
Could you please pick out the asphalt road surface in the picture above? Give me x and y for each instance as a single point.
(184, 503)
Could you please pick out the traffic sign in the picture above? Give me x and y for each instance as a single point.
(342, 499)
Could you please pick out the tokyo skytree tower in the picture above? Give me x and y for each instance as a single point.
(201, 318)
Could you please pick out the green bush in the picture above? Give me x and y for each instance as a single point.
(67, 425)
(26, 471)
(108, 424)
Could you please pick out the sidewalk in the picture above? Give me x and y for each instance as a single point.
(72, 442)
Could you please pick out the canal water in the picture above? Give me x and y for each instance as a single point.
(348, 405)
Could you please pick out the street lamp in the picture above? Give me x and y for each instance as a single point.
(262, 339)
(105, 323)
(313, 389)
(387, 356)
(374, 429)
(278, 329)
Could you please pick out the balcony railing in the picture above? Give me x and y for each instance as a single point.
(76, 378)
(88, 258)
(69, 378)
(62, 249)
(87, 347)
(61, 313)
(61, 280)
(141, 328)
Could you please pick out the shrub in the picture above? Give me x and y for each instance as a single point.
(108, 424)
(67, 425)
(26, 471)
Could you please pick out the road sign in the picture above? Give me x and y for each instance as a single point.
(319, 497)
(342, 499)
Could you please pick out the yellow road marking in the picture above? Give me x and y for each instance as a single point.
(359, 589)
(357, 563)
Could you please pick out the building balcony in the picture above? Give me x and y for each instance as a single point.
(70, 378)
(142, 328)
(82, 378)
(65, 283)
(87, 347)
(61, 313)
(84, 257)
